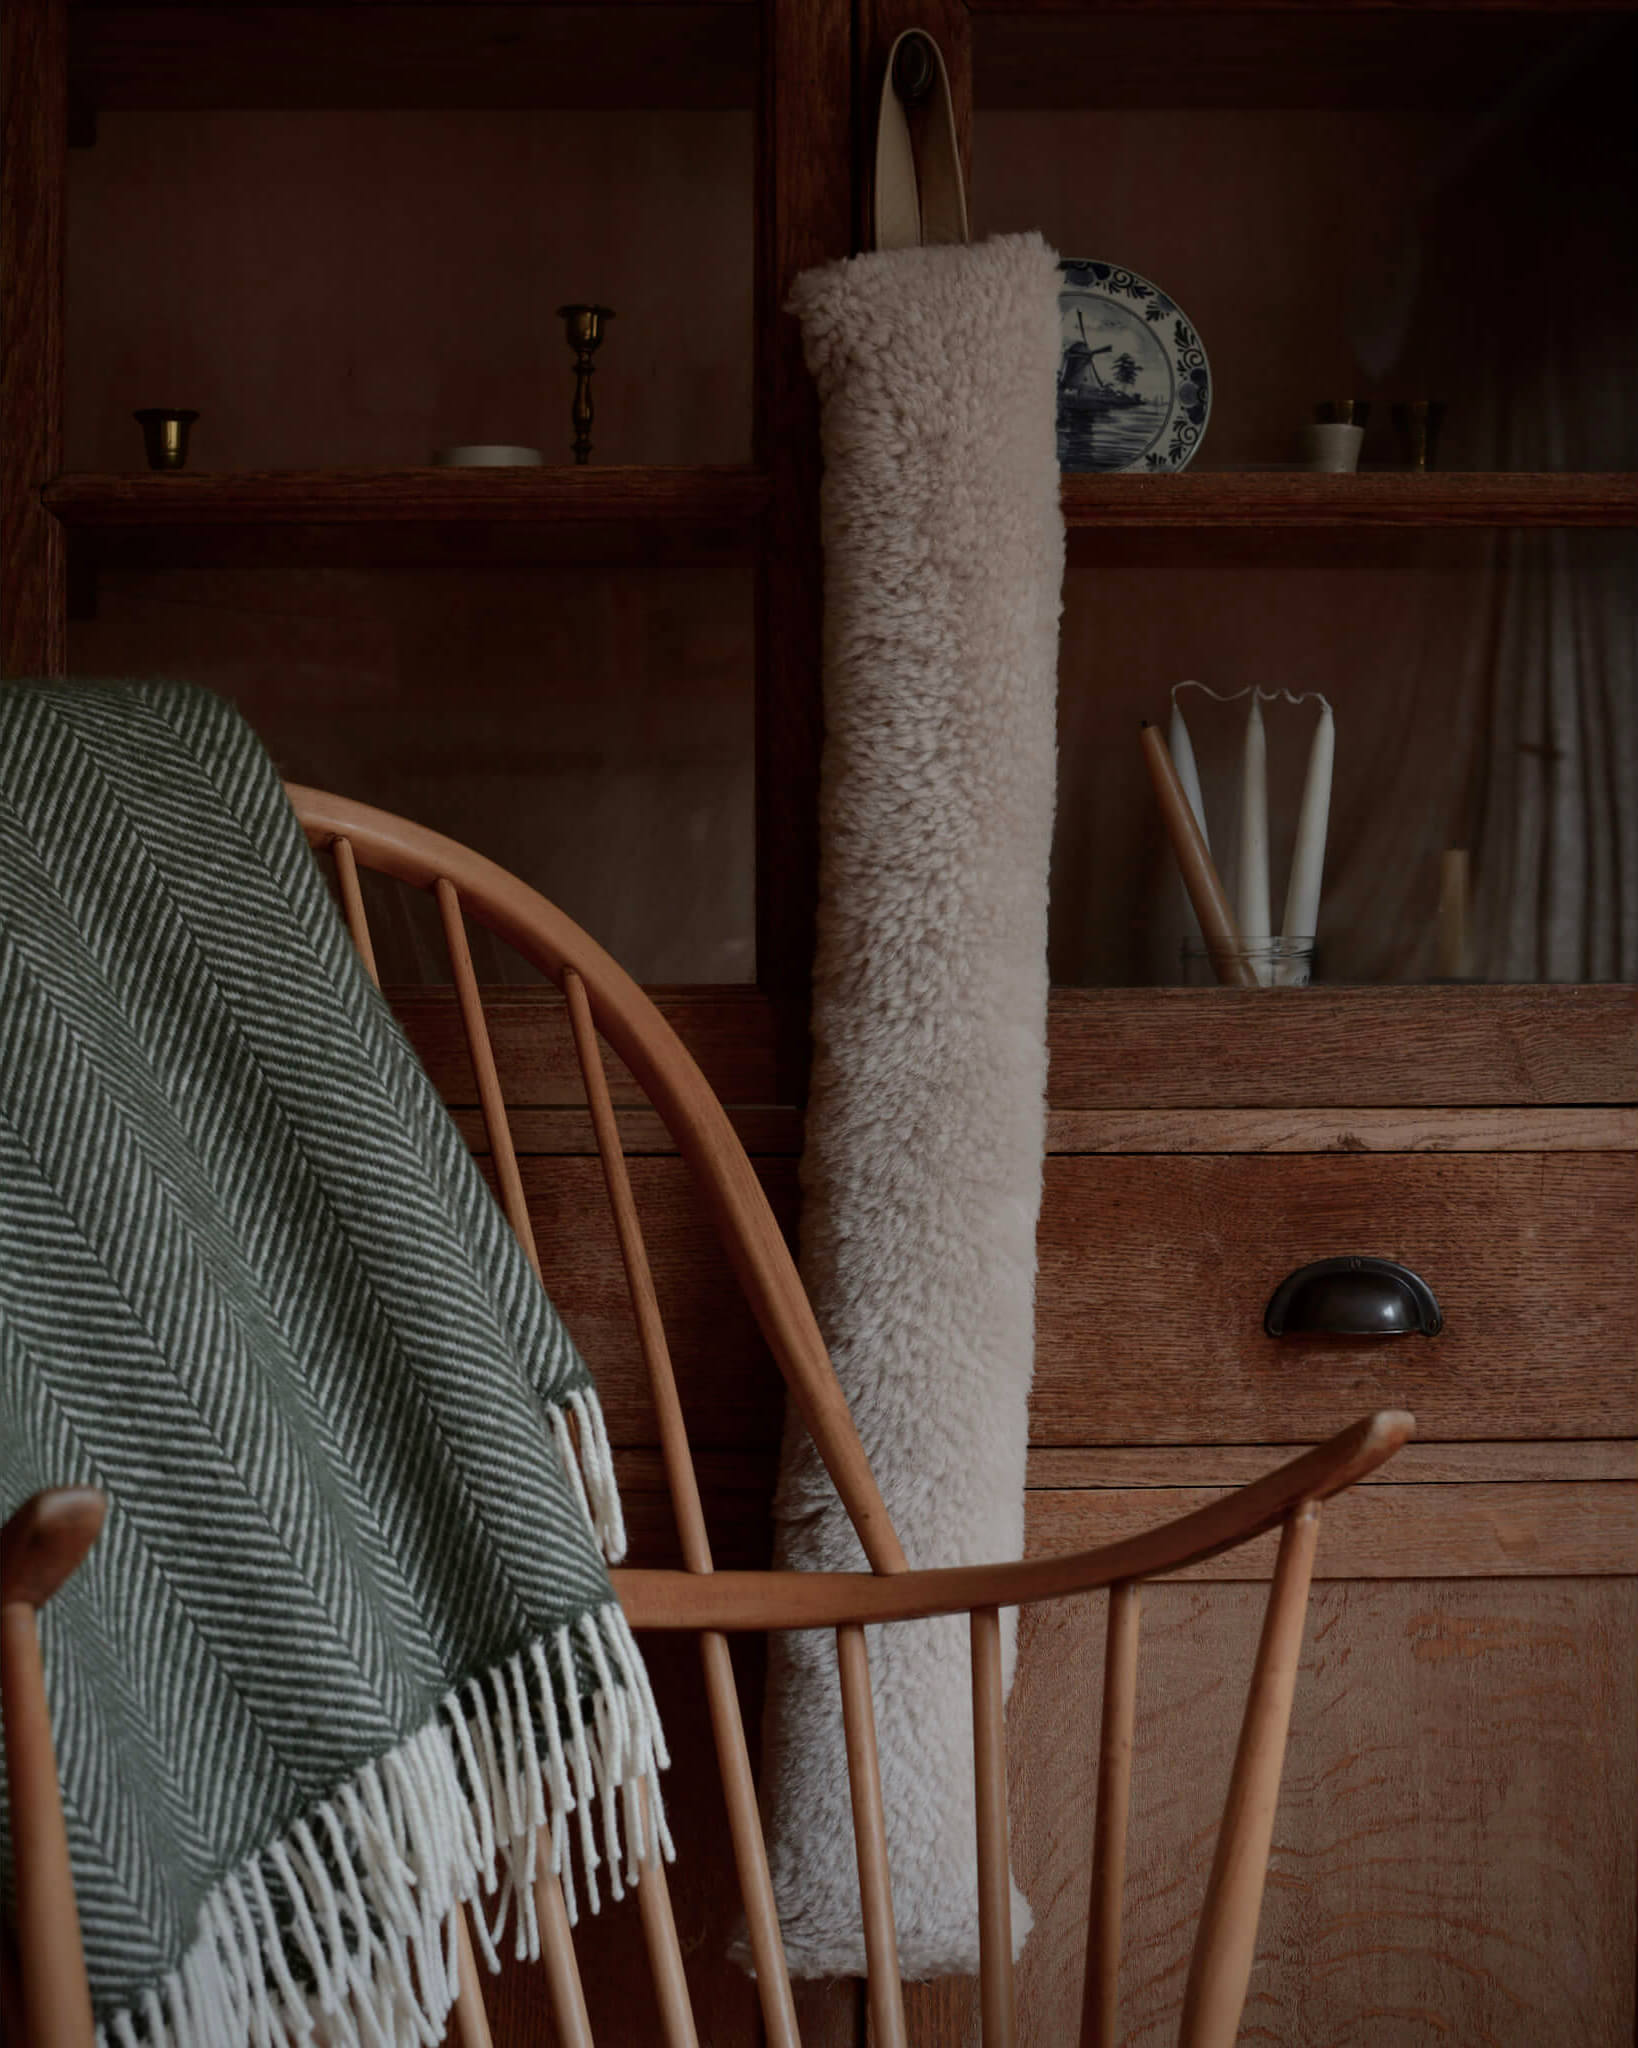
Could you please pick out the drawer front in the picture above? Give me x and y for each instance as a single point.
(1155, 1270)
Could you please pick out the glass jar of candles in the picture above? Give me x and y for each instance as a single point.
(1275, 963)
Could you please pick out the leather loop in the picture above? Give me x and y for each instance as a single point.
(917, 202)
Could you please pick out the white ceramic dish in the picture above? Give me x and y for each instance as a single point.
(487, 455)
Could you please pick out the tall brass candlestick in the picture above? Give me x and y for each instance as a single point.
(584, 327)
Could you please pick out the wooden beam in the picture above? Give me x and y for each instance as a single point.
(33, 151)
(804, 141)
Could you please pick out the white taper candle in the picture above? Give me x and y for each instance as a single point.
(1188, 773)
(1311, 826)
(1254, 916)
(1302, 897)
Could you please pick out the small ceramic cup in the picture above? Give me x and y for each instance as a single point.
(1331, 445)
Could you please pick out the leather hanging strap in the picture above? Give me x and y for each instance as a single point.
(920, 195)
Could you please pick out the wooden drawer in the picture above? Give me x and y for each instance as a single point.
(1155, 1271)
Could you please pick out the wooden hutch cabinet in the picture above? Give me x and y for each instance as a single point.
(341, 232)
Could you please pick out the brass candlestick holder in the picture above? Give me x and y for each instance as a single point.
(1418, 423)
(165, 434)
(584, 327)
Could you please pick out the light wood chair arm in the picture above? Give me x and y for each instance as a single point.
(41, 1548)
(774, 1600)
(46, 1541)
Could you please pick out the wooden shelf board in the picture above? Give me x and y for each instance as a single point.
(1477, 1045)
(1198, 498)
(1210, 1051)
(187, 58)
(1247, 10)
(737, 495)
(726, 496)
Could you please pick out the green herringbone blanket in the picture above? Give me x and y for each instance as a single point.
(347, 1650)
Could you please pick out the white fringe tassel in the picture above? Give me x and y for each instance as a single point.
(583, 1444)
(345, 1929)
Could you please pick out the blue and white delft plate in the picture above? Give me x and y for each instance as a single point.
(1134, 389)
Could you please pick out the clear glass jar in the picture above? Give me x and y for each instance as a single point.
(1277, 963)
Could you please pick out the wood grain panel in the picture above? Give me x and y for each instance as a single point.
(749, 1474)
(1357, 1130)
(763, 1131)
(1418, 1464)
(33, 148)
(804, 216)
(1472, 1531)
(1154, 1274)
(1454, 1851)
(1367, 1047)
(772, 1128)
(731, 1391)
(1135, 1049)
(1292, 498)
(1459, 1530)
(742, 1041)
(721, 494)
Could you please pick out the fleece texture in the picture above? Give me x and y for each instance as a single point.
(922, 1176)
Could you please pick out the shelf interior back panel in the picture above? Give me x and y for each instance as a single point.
(1478, 254)
(351, 288)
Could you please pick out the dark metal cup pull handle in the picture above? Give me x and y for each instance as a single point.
(1353, 1297)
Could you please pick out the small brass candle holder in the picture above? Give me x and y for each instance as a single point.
(584, 327)
(1417, 423)
(165, 434)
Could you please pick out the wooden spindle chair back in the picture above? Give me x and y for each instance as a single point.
(604, 1004)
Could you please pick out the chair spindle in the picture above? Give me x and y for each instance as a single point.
(645, 1305)
(557, 1941)
(352, 903)
(998, 1999)
(471, 2018)
(568, 1994)
(1100, 1989)
(1220, 1968)
(497, 1127)
(728, 1726)
(665, 1955)
(886, 1991)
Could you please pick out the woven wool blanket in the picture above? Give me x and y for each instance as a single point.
(347, 1651)
(921, 1177)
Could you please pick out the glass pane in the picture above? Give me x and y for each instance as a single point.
(331, 280)
(1485, 688)
(589, 728)
(1384, 206)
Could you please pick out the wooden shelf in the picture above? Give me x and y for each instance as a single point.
(1207, 498)
(1412, 10)
(409, 518)
(1382, 1047)
(737, 496)
(726, 496)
